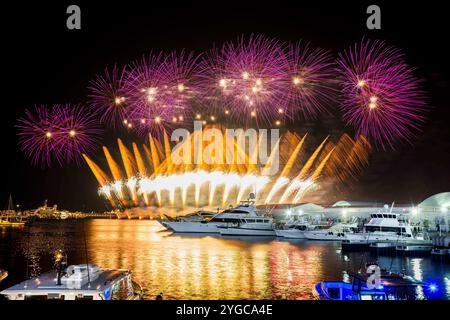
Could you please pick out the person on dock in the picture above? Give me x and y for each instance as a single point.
(159, 296)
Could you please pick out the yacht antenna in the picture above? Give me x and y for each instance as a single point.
(392, 207)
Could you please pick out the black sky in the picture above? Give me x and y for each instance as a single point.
(44, 63)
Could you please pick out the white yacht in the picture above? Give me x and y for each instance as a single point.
(293, 229)
(198, 216)
(383, 227)
(334, 233)
(76, 283)
(225, 218)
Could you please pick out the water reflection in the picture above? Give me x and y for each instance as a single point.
(417, 273)
(199, 267)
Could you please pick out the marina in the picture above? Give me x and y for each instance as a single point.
(201, 266)
(243, 154)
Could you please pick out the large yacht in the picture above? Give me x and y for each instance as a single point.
(383, 227)
(296, 229)
(293, 229)
(77, 282)
(227, 217)
(197, 216)
(334, 233)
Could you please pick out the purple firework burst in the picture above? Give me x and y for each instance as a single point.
(382, 98)
(245, 78)
(109, 96)
(310, 81)
(162, 89)
(60, 134)
(38, 137)
(79, 130)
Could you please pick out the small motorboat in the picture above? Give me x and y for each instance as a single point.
(441, 253)
(414, 249)
(392, 286)
(76, 282)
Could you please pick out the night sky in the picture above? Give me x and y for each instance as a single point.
(45, 63)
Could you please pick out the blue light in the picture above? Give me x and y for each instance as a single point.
(433, 287)
(380, 287)
(107, 293)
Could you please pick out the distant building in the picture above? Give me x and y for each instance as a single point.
(434, 212)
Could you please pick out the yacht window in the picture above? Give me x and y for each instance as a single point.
(250, 220)
(234, 211)
(230, 220)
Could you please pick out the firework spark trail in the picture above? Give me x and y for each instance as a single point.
(348, 159)
(139, 161)
(113, 166)
(297, 182)
(382, 98)
(109, 96)
(310, 81)
(282, 180)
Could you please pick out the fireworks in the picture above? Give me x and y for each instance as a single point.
(246, 78)
(60, 134)
(109, 96)
(309, 81)
(164, 182)
(381, 97)
(256, 80)
(38, 137)
(161, 90)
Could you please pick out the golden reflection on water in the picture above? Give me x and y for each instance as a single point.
(205, 267)
(195, 266)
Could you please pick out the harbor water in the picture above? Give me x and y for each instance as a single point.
(200, 266)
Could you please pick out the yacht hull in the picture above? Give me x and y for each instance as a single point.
(368, 238)
(192, 227)
(230, 231)
(323, 236)
(290, 234)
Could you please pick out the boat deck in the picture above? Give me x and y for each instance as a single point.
(47, 282)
